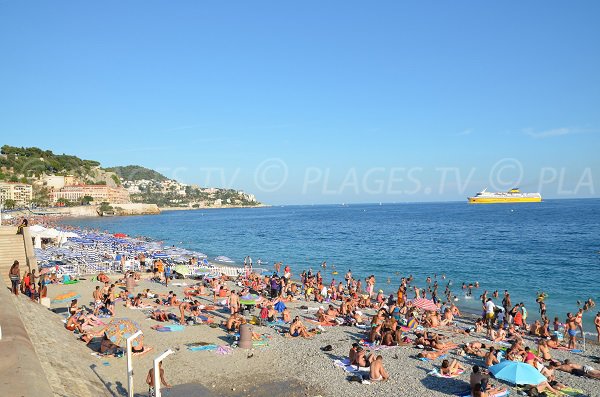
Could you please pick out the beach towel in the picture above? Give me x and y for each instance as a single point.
(435, 372)
(202, 348)
(568, 391)
(168, 328)
(345, 365)
(374, 347)
(224, 350)
(501, 394)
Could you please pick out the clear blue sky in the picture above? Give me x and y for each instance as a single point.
(312, 101)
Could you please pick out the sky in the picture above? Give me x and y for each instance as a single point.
(313, 102)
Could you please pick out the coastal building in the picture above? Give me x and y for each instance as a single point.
(21, 193)
(99, 193)
(54, 182)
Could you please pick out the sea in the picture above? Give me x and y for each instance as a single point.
(525, 248)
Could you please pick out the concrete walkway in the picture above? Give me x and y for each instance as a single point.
(21, 372)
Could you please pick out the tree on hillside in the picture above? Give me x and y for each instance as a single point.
(9, 204)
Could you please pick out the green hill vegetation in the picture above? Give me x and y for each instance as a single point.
(137, 173)
(21, 163)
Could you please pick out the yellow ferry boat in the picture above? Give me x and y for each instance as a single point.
(512, 196)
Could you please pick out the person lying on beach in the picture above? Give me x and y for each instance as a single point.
(298, 329)
(479, 390)
(548, 372)
(88, 320)
(475, 349)
(451, 368)
(159, 315)
(103, 278)
(462, 331)
(438, 345)
(578, 369)
(432, 355)
(377, 371)
(542, 387)
(554, 343)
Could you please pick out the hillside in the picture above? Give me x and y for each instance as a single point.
(137, 173)
(32, 162)
(31, 165)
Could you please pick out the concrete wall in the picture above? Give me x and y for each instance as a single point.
(21, 373)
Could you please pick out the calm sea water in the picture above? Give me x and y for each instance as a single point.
(552, 246)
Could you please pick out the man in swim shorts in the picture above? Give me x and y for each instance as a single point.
(571, 325)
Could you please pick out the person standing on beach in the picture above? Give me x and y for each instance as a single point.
(597, 324)
(14, 274)
(167, 274)
(571, 327)
(142, 259)
(234, 302)
(150, 379)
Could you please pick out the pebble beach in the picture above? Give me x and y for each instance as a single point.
(283, 366)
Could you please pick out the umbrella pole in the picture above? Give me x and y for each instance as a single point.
(157, 360)
(130, 363)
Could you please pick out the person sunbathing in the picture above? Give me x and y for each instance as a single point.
(478, 391)
(286, 315)
(137, 301)
(546, 386)
(388, 339)
(554, 343)
(73, 324)
(234, 321)
(490, 357)
(298, 329)
(500, 335)
(448, 318)
(436, 344)
(535, 328)
(106, 346)
(103, 278)
(353, 352)
(475, 349)
(452, 368)
(362, 359)
(579, 370)
(159, 315)
(377, 371)
(543, 350)
(432, 355)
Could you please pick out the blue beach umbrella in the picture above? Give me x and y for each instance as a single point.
(158, 255)
(517, 373)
